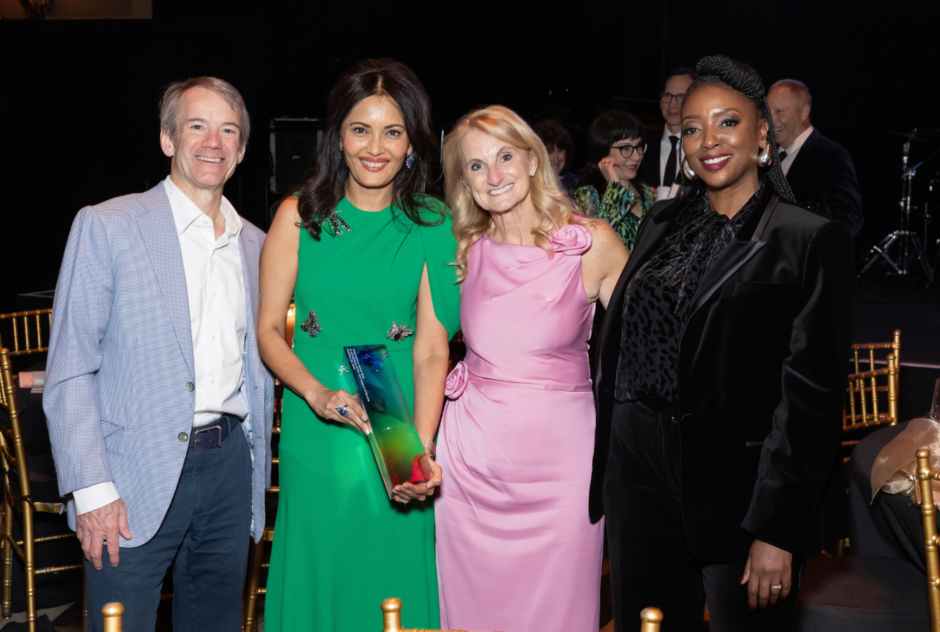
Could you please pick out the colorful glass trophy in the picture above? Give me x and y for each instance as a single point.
(394, 439)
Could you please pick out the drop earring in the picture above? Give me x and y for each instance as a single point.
(410, 159)
(687, 170)
(764, 159)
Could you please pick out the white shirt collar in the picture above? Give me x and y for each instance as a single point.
(185, 211)
(798, 141)
(667, 134)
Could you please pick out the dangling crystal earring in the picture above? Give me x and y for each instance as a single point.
(687, 170)
(764, 159)
(410, 159)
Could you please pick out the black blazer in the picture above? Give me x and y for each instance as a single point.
(762, 368)
(822, 177)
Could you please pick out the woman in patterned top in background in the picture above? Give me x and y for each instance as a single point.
(615, 149)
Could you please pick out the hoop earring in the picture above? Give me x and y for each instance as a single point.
(687, 170)
(410, 159)
(764, 159)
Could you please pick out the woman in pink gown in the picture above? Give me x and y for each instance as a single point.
(516, 549)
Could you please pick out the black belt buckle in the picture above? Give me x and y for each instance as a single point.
(218, 443)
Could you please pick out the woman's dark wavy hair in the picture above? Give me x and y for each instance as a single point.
(608, 128)
(744, 79)
(554, 135)
(320, 194)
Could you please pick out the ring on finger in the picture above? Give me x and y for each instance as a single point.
(343, 410)
(776, 587)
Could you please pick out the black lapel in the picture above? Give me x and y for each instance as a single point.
(747, 243)
(651, 232)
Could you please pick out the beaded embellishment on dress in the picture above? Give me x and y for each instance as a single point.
(311, 324)
(399, 332)
(337, 222)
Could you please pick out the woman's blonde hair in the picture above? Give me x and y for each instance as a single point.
(470, 222)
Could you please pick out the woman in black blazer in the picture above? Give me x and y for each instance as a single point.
(720, 378)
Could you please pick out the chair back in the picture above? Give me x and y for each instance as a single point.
(14, 459)
(894, 347)
(928, 513)
(26, 332)
(112, 613)
(868, 414)
(864, 408)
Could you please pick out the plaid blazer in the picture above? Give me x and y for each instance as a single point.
(121, 356)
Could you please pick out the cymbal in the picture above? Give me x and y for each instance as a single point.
(919, 135)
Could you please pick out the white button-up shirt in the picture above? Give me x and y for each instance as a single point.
(217, 318)
(794, 148)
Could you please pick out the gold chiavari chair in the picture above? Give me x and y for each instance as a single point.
(256, 563)
(26, 331)
(872, 396)
(865, 408)
(112, 613)
(650, 618)
(928, 513)
(17, 495)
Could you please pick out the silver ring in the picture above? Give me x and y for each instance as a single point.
(776, 587)
(342, 410)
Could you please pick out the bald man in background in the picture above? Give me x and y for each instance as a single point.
(819, 170)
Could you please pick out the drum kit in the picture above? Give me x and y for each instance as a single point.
(905, 251)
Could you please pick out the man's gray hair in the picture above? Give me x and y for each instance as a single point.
(796, 87)
(170, 104)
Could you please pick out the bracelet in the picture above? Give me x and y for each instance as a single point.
(428, 444)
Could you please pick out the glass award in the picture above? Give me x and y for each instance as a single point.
(394, 439)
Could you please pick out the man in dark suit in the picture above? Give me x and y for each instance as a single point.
(819, 171)
(661, 166)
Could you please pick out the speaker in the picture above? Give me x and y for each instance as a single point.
(293, 150)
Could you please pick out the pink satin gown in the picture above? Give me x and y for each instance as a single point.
(516, 550)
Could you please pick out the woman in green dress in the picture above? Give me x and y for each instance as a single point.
(367, 256)
(613, 193)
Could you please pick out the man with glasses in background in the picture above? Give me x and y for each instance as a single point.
(661, 167)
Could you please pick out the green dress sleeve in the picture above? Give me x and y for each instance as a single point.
(440, 250)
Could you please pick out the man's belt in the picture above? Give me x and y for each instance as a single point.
(212, 436)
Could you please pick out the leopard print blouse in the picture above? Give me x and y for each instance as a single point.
(658, 297)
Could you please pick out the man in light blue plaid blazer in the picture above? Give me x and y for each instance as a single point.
(158, 404)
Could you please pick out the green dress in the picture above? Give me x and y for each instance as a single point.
(340, 545)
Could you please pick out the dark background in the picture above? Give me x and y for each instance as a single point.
(78, 99)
